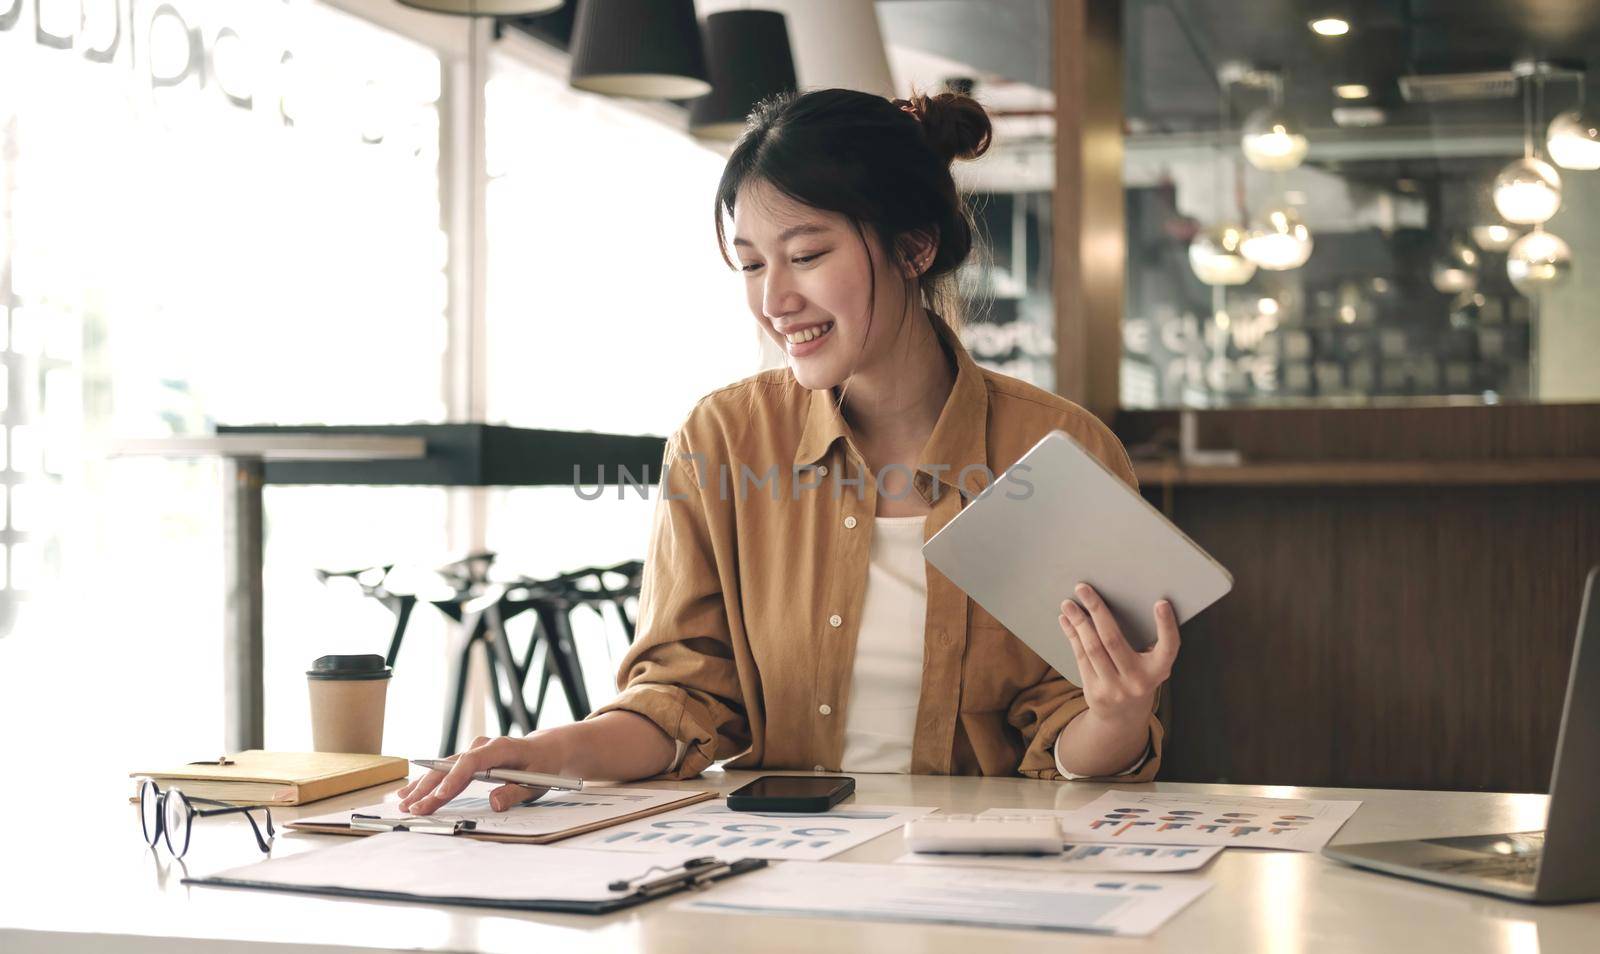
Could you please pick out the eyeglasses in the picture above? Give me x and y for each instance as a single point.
(172, 813)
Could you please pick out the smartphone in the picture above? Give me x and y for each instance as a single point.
(792, 793)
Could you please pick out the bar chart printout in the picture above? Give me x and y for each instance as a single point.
(1178, 819)
(715, 829)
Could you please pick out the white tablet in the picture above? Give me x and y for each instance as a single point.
(1057, 517)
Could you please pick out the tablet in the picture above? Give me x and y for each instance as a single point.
(1056, 517)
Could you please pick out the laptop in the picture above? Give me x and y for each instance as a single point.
(1561, 863)
(1059, 516)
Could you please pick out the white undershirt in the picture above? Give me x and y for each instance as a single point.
(886, 680)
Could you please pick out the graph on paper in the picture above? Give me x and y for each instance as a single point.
(715, 829)
(1230, 821)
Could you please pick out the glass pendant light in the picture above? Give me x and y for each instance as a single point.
(1214, 254)
(1280, 242)
(1573, 140)
(1217, 259)
(1493, 237)
(1538, 260)
(1456, 269)
(1528, 191)
(1272, 142)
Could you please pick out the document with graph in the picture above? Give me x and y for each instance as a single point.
(1149, 818)
(716, 829)
(555, 816)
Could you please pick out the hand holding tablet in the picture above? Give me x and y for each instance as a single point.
(1058, 517)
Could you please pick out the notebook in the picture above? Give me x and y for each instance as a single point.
(256, 777)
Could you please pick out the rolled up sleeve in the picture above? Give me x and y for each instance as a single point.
(680, 672)
(1043, 711)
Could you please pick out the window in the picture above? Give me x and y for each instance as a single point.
(209, 212)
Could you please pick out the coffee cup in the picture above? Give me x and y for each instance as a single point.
(347, 701)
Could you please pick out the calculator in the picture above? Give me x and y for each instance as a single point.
(991, 834)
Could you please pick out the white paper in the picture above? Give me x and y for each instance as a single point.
(554, 812)
(1104, 904)
(1230, 821)
(443, 866)
(1082, 858)
(711, 827)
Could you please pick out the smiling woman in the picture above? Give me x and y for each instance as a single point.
(802, 629)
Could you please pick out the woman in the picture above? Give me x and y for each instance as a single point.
(787, 619)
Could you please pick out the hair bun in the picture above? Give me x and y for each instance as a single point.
(956, 125)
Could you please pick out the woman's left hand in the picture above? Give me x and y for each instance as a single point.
(1119, 682)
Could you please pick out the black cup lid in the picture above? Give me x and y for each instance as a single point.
(364, 666)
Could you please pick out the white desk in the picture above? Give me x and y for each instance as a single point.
(98, 888)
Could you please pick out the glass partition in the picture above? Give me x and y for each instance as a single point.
(1396, 204)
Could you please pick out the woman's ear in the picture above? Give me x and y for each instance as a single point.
(917, 250)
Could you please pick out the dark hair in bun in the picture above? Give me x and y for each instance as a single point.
(883, 164)
(956, 125)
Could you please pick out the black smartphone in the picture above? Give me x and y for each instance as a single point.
(792, 793)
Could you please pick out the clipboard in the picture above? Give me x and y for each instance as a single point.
(370, 824)
(643, 882)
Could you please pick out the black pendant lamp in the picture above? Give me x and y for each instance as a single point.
(750, 59)
(649, 49)
(486, 8)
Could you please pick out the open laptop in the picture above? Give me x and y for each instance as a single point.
(1561, 863)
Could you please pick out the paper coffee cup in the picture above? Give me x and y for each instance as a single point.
(347, 700)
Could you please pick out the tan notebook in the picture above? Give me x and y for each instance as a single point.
(280, 778)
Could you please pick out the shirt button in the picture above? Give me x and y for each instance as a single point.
(825, 709)
(822, 471)
(849, 523)
(836, 620)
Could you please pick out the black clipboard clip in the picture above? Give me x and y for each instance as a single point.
(421, 825)
(694, 873)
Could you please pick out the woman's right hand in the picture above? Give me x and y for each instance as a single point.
(540, 752)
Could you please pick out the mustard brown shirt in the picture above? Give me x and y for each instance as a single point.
(756, 570)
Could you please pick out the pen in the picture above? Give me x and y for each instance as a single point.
(535, 779)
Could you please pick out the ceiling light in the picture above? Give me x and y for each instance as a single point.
(1528, 191)
(1574, 140)
(1352, 91)
(486, 8)
(1538, 261)
(1494, 237)
(749, 58)
(1271, 142)
(1360, 117)
(649, 49)
(1330, 26)
(1216, 259)
(1281, 242)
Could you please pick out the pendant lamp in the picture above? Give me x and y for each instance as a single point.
(749, 59)
(647, 49)
(486, 8)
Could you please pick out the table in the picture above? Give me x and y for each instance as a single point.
(97, 888)
(455, 455)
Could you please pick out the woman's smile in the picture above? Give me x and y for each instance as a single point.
(807, 340)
